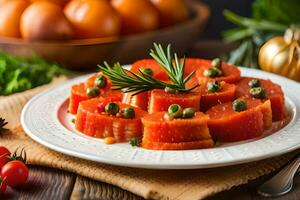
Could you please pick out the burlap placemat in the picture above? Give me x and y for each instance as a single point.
(154, 184)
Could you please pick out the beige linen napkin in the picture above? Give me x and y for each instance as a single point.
(154, 184)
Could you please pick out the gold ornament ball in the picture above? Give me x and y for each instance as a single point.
(280, 55)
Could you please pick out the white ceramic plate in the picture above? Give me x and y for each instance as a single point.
(45, 120)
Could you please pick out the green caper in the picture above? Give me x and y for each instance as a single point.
(100, 81)
(254, 83)
(112, 108)
(128, 112)
(212, 72)
(258, 92)
(188, 112)
(170, 90)
(148, 71)
(239, 105)
(213, 86)
(217, 62)
(92, 92)
(175, 110)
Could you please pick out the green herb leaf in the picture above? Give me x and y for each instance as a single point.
(123, 79)
(175, 70)
(253, 23)
(251, 33)
(134, 142)
(284, 12)
(19, 74)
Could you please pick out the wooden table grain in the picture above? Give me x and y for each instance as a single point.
(46, 183)
(54, 184)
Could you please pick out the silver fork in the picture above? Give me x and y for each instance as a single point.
(282, 182)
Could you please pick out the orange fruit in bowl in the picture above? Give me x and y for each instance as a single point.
(171, 12)
(58, 2)
(43, 20)
(137, 15)
(2, 1)
(93, 18)
(10, 14)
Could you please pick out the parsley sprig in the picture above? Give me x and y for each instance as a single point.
(19, 74)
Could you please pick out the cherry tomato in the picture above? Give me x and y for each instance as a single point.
(3, 160)
(3, 185)
(4, 154)
(4, 151)
(15, 172)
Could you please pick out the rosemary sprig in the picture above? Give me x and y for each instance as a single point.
(128, 81)
(123, 79)
(175, 70)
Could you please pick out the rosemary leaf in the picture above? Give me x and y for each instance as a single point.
(128, 81)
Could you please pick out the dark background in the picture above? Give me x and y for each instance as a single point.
(217, 23)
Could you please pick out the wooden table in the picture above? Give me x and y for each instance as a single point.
(46, 183)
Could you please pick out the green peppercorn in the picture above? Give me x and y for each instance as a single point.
(92, 92)
(213, 86)
(175, 110)
(148, 71)
(258, 92)
(254, 83)
(239, 105)
(112, 108)
(212, 72)
(100, 81)
(128, 112)
(217, 62)
(188, 112)
(170, 90)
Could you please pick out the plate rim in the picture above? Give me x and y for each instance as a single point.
(137, 164)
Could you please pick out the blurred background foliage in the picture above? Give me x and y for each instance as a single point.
(250, 24)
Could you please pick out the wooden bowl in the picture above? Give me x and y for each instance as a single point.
(87, 53)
